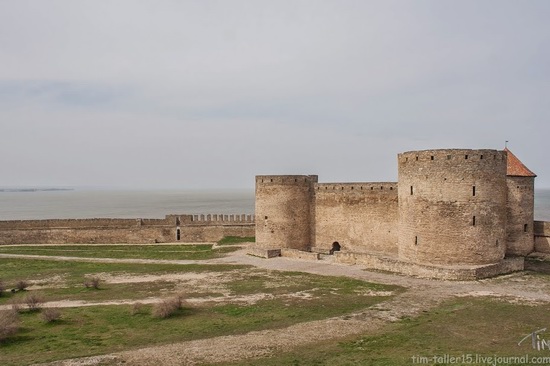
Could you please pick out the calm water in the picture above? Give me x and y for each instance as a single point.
(149, 204)
(542, 204)
(83, 204)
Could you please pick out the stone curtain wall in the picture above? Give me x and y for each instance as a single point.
(452, 206)
(542, 236)
(361, 217)
(132, 231)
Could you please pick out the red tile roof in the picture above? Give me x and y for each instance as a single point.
(516, 168)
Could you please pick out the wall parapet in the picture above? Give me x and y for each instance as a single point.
(452, 155)
(231, 218)
(68, 223)
(366, 187)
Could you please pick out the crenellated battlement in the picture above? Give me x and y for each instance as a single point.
(286, 179)
(364, 188)
(452, 156)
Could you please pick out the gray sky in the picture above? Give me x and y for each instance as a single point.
(207, 94)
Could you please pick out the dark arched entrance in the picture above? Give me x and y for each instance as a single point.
(335, 247)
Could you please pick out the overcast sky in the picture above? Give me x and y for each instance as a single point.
(208, 94)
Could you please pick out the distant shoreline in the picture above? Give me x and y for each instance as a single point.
(25, 190)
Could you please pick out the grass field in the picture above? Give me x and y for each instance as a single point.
(93, 330)
(460, 327)
(237, 299)
(173, 251)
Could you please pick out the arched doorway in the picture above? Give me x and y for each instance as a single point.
(335, 248)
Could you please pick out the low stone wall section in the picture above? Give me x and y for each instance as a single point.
(192, 228)
(455, 273)
(542, 236)
(299, 254)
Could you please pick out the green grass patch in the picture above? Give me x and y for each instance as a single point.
(228, 240)
(69, 277)
(102, 329)
(465, 326)
(174, 251)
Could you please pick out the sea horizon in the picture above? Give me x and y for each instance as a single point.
(39, 203)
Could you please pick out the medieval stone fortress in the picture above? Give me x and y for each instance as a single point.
(453, 214)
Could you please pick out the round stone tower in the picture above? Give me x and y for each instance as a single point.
(283, 211)
(452, 206)
(521, 207)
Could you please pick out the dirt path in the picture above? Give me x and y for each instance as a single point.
(421, 295)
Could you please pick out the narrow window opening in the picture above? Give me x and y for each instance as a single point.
(391, 188)
(497, 243)
(265, 217)
(335, 248)
(473, 190)
(416, 240)
(525, 228)
(417, 158)
(361, 187)
(481, 157)
(271, 180)
(432, 157)
(406, 159)
(448, 157)
(352, 188)
(371, 188)
(466, 157)
(381, 187)
(342, 188)
(178, 234)
(412, 190)
(474, 221)
(295, 179)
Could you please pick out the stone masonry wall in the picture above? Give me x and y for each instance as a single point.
(361, 217)
(132, 231)
(520, 215)
(283, 205)
(542, 236)
(452, 206)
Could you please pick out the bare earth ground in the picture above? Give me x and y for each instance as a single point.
(421, 295)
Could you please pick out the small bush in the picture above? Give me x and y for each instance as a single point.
(15, 305)
(93, 282)
(51, 315)
(9, 324)
(137, 308)
(34, 301)
(21, 285)
(168, 307)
